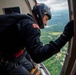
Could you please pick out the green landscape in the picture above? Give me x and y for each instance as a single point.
(51, 32)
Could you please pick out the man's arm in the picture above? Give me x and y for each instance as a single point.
(35, 47)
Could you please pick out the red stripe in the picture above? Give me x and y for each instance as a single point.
(35, 26)
(19, 53)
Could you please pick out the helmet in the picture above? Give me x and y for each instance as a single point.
(39, 10)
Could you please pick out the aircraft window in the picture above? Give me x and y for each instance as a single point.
(11, 10)
(55, 26)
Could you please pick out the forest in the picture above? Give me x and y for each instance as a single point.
(51, 32)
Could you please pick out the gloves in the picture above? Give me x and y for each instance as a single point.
(69, 30)
(66, 35)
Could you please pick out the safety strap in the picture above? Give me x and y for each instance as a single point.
(19, 53)
(35, 71)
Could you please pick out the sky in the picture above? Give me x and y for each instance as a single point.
(55, 4)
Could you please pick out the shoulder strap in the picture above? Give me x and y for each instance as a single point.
(8, 20)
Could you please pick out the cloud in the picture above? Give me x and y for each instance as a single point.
(55, 4)
(41, 1)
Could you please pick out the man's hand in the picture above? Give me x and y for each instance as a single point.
(66, 35)
(69, 30)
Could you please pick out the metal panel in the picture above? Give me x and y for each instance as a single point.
(24, 9)
(71, 55)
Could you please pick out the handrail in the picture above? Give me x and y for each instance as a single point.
(43, 69)
(71, 57)
(28, 4)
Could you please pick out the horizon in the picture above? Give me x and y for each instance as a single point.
(55, 5)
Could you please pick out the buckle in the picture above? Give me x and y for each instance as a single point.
(3, 62)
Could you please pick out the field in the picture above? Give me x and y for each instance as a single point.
(51, 32)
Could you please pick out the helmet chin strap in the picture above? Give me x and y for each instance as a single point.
(39, 11)
(38, 17)
(34, 17)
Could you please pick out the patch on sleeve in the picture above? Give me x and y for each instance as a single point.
(35, 26)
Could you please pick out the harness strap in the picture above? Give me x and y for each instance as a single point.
(19, 53)
(35, 71)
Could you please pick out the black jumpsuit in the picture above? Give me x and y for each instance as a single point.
(17, 32)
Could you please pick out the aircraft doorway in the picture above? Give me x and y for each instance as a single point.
(60, 17)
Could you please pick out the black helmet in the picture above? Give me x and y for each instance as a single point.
(39, 10)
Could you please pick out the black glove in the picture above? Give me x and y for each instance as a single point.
(69, 30)
(66, 35)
